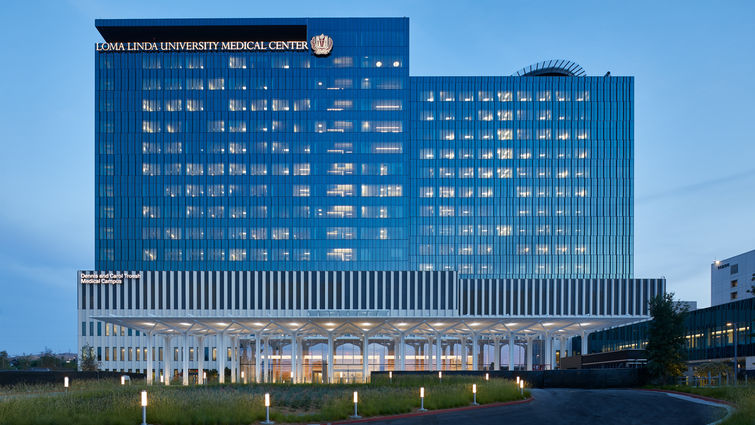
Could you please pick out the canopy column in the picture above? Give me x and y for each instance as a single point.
(222, 355)
(149, 354)
(257, 358)
(512, 346)
(496, 353)
(402, 350)
(331, 365)
(529, 352)
(365, 357)
(294, 361)
(200, 361)
(464, 354)
(585, 346)
(168, 371)
(185, 360)
(475, 351)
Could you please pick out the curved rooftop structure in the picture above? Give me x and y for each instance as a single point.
(552, 68)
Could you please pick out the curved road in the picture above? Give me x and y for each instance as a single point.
(582, 407)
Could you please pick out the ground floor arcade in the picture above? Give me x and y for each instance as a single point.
(193, 350)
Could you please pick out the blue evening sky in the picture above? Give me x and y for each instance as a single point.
(694, 74)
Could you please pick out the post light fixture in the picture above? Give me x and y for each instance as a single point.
(65, 383)
(474, 394)
(356, 401)
(422, 399)
(267, 410)
(144, 407)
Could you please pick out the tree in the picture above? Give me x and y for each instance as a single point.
(666, 338)
(4, 361)
(88, 360)
(48, 360)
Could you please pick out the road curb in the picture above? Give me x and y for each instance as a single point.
(729, 406)
(433, 412)
(701, 397)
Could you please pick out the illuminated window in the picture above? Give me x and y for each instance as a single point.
(505, 134)
(340, 190)
(446, 192)
(280, 233)
(383, 190)
(301, 190)
(340, 211)
(301, 169)
(340, 254)
(446, 211)
(216, 84)
(341, 169)
(237, 105)
(341, 233)
(504, 96)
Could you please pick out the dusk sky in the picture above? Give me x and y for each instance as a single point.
(693, 65)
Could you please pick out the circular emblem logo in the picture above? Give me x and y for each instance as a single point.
(321, 45)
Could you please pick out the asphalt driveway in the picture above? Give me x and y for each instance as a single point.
(582, 407)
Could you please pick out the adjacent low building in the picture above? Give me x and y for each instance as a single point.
(712, 334)
(733, 278)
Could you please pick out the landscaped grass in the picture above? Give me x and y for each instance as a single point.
(742, 396)
(106, 402)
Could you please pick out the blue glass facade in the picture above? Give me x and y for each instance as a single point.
(522, 176)
(286, 160)
(711, 333)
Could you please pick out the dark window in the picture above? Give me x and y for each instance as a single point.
(152, 290)
(734, 269)
(305, 282)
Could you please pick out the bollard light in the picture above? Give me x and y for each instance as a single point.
(517, 380)
(390, 376)
(440, 375)
(487, 376)
(521, 387)
(144, 408)
(65, 383)
(474, 394)
(243, 378)
(356, 401)
(123, 379)
(422, 399)
(267, 410)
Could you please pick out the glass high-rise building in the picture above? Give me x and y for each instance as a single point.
(230, 159)
(294, 169)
